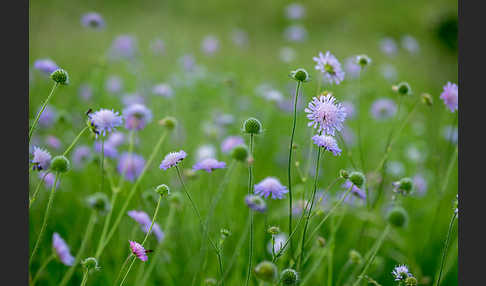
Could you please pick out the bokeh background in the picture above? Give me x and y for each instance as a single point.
(257, 47)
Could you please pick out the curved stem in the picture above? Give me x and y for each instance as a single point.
(74, 141)
(250, 184)
(446, 247)
(43, 266)
(34, 195)
(85, 278)
(36, 120)
(294, 121)
(46, 216)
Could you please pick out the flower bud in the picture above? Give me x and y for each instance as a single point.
(300, 75)
(427, 99)
(240, 153)
(357, 178)
(91, 264)
(252, 126)
(321, 241)
(404, 88)
(266, 271)
(273, 230)
(289, 277)
(225, 232)
(344, 174)
(60, 76)
(169, 122)
(99, 202)
(60, 164)
(363, 60)
(162, 190)
(355, 256)
(411, 281)
(397, 216)
(403, 186)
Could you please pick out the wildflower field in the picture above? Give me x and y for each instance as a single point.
(243, 142)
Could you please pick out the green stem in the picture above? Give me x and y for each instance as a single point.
(106, 224)
(46, 216)
(446, 247)
(74, 141)
(85, 277)
(43, 266)
(239, 245)
(34, 195)
(250, 184)
(42, 110)
(87, 237)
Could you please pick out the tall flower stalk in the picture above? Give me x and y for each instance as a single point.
(446, 247)
(36, 120)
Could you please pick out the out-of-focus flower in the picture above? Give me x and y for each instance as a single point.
(133, 98)
(85, 91)
(209, 164)
(388, 46)
(351, 67)
(114, 84)
(48, 117)
(410, 44)
(48, 179)
(295, 11)
(205, 151)
(137, 116)
(47, 66)
(420, 184)
(389, 72)
(81, 155)
(144, 220)
(93, 20)
(449, 133)
(450, 96)
(53, 142)
(295, 33)
(109, 150)
(280, 240)
(210, 45)
(230, 142)
(163, 89)
(157, 46)
(256, 203)
(130, 165)
(349, 109)
(395, 168)
(383, 108)
(62, 250)
(124, 47)
(239, 37)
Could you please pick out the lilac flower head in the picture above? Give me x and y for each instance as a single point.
(410, 44)
(114, 84)
(354, 190)
(210, 45)
(188, 62)
(46, 66)
(124, 47)
(255, 203)
(130, 165)
(419, 184)
(144, 220)
(325, 114)
(53, 142)
(41, 160)
(209, 164)
(328, 143)
(85, 91)
(138, 250)
(104, 121)
(270, 186)
(116, 139)
(109, 149)
(137, 116)
(230, 142)
(295, 33)
(48, 179)
(62, 250)
(93, 20)
(172, 159)
(450, 96)
(330, 67)
(81, 155)
(295, 11)
(388, 46)
(133, 98)
(48, 117)
(383, 108)
(351, 67)
(163, 89)
(349, 109)
(401, 273)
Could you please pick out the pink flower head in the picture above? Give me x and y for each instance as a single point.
(62, 250)
(450, 96)
(172, 159)
(138, 250)
(209, 164)
(231, 142)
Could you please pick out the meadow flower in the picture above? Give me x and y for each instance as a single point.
(48, 117)
(230, 142)
(104, 121)
(450, 96)
(401, 273)
(41, 160)
(239, 37)
(157, 46)
(163, 89)
(280, 240)
(270, 186)
(172, 159)
(349, 109)
(255, 203)
(138, 250)
(81, 155)
(116, 139)
(114, 84)
(420, 184)
(383, 108)
(205, 151)
(295, 33)
(136, 116)
(109, 150)
(46, 66)
(330, 67)
(130, 165)
(287, 54)
(85, 91)
(388, 46)
(354, 190)
(209, 164)
(144, 220)
(133, 98)
(62, 250)
(48, 179)
(325, 114)
(188, 62)
(328, 143)
(123, 47)
(295, 11)
(410, 44)
(351, 67)
(210, 45)
(53, 142)
(93, 20)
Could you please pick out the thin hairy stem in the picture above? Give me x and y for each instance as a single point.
(250, 212)
(74, 141)
(446, 247)
(34, 195)
(41, 269)
(36, 120)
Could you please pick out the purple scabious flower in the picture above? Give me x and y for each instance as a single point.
(93, 20)
(295, 11)
(209, 164)
(114, 84)
(48, 179)
(354, 190)
(330, 67)
(136, 116)
(210, 45)
(109, 150)
(41, 160)
(383, 108)
(144, 220)
(116, 139)
(53, 142)
(388, 46)
(325, 114)
(85, 91)
(295, 33)
(62, 250)
(401, 273)
(163, 89)
(255, 203)
(450, 96)
(157, 46)
(231, 142)
(328, 143)
(48, 117)
(172, 159)
(420, 184)
(46, 66)
(351, 67)
(138, 250)
(81, 155)
(130, 165)
(124, 47)
(105, 120)
(271, 186)
(133, 98)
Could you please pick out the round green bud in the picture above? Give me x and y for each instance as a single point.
(363, 60)
(90, 264)
(427, 99)
(289, 277)
(404, 88)
(99, 202)
(411, 281)
(355, 257)
(397, 216)
(344, 174)
(60, 76)
(266, 271)
(169, 122)
(403, 186)
(210, 282)
(252, 126)
(240, 153)
(225, 232)
(321, 241)
(357, 178)
(300, 75)
(162, 190)
(60, 164)
(273, 230)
